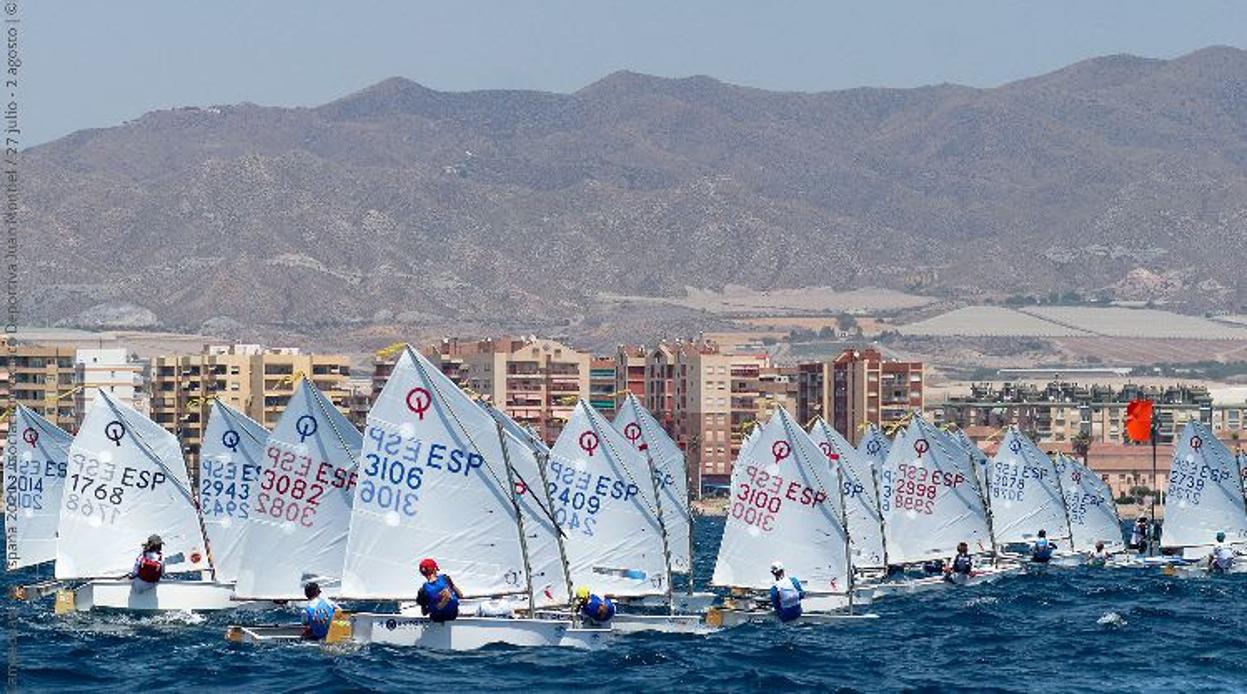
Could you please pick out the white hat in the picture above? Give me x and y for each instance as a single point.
(776, 566)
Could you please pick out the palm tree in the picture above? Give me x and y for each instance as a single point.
(1082, 445)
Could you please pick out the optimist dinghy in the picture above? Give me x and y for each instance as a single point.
(784, 506)
(1027, 496)
(931, 501)
(126, 480)
(1205, 496)
(437, 480)
(35, 459)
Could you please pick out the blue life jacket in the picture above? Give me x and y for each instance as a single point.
(598, 609)
(440, 599)
(786, 595)
(317, 615)
(1042, 552)
(962, 564)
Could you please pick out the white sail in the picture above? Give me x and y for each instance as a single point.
(297, 526)
(783, 507)
(982, 463)
(929, 499)
(126, 480)
(874, 445)
(35, 460)
(1092, 510)
(861, 503)
(1205, 494)
(604, 501)
(433, 483)
(544, 537)
(670, 473)
(230, 461)
(1026, 495)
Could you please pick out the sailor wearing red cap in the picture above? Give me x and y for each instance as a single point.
(439, 596)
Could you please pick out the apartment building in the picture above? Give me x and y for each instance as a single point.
(40, 377)
(257, 380)
(707, 400)
(1061, 410)
(629, 373)
(602, 385)
(536, 381)
(858, 387)
(114, 370)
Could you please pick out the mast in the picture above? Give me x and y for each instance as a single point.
(844, 519)
(987, 507)
(519, 520)
(543, 460)
(1064, 503)
(883, 531)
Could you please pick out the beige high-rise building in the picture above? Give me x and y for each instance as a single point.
(707, 399)
(536, 382)
(856, 387)
(41, 378)
(253, 379)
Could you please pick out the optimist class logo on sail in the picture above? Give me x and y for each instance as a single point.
(758, 500)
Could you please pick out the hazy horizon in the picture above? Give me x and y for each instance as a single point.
(89, 66)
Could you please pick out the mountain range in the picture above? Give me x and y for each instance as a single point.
(403, 206)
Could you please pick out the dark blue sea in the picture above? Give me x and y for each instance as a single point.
(1061, 629)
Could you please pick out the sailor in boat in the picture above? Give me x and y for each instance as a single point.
(596, 610)
(1138, 535)
(1041, 552)
(317, 613)
(959, 570)
(786, 594)
(439, 596)
(149, 567)
(1221, 558)
(1100, 556)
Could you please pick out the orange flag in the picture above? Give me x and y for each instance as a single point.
(1139, 420)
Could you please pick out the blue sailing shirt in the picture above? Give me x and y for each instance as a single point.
(786, 594)
(1042, 552)
(438, 600)
(317, 615)
(598, 609)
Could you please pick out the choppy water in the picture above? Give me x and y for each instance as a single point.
(1071, 629)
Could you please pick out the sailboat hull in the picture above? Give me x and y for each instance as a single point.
(733, 618)
(921, 585)
(630, 623)
(471, 633)
(166, 596)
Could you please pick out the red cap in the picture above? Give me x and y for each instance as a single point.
(427, 565)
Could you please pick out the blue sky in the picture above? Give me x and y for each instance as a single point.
(96, 64)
